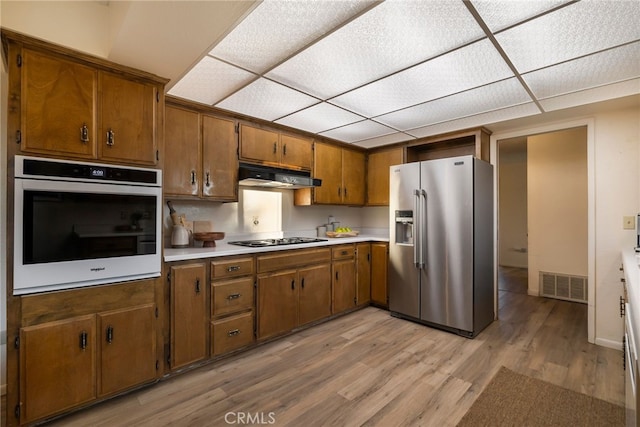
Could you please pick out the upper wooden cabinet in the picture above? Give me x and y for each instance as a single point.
(67, 104)
(274, 148)
(474, 142)
(378, 163)
(202, 155)
(342, 173)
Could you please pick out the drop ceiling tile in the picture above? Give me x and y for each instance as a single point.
(388, 38)
(473, 65)
(266, 100)
(275, 30)
(209, 81)
(384, 140)
(499, 14)
(598, 94)
(365, 129)
(575, 30)
(590, 71)
(320, 117)
(486, 98)
(483, 119)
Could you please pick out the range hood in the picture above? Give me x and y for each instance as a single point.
(264, 176)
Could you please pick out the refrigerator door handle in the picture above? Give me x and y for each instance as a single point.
(417, 245)
(423, 230)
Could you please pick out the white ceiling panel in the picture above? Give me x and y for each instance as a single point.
(486, 98)
(613, 65)
(589, 96)
(266, 100)
(277, 29)
(473, 65)
(390, 37)
(320, 117)
(575, 30)
(365, 129)
(210, 81)
(499, 14)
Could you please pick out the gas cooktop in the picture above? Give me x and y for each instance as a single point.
(277, 242)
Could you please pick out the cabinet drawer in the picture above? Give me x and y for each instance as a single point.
(225, 267)
(231, 333)
(341, 252)
(290, 259)
(231, 295)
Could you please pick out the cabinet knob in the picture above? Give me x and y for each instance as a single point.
(233, 332)
(83, 340)
(111, 135)
(284, 150)
(197, 286)
(84, 133)
(208, 179)
(193, 177)
(275, 147)
(110, 334)
(234, 296)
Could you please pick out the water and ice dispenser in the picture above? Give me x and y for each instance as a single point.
(404, 227)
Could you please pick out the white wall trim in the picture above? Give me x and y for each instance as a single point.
(591, 208)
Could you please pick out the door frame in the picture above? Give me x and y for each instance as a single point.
(591, 211)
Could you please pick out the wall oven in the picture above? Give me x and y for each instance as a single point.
(80, 224)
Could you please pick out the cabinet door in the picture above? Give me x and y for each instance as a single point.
(378, 175)
(379, 261)
(182, 149)
(58, 102)
(277, 303)
(328, 167)
(353, 180)
(219, 159)
(295, 152)
(127, 349)
(259, 145)
(363, 272)
(57, 366)
(188, 314)
(344, 285)
(128, 112)
(314, 302)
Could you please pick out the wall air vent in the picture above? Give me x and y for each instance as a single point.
(563, 286)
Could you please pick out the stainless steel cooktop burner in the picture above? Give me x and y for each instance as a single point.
(277, 242)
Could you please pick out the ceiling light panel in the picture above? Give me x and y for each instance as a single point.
(486, 98)
(320, 117)
(471, 66)
(266, 100)
(613, 65)
(575, 30)
(365, 129)
(499, 14)
(275, 30)
(388, 38)
(210, 81)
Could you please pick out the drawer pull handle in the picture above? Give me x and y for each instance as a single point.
(234, 296)
(111, 138)
(233, 333)
(84, 133)
(233, 268)
(344, 253)
(83, 340)
(197, 286)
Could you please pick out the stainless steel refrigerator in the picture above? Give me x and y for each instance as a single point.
(441, 262)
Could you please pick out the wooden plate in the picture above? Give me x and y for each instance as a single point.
(209, 238)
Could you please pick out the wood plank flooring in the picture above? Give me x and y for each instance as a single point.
(368, 368)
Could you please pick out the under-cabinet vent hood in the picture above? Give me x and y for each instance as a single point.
(263, 176)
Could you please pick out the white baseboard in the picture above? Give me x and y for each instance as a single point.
(616, 345)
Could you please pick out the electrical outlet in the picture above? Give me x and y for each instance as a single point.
(628, 222)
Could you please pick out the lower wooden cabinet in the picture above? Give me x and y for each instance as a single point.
(189, 317)
(66, 363)
(344, 278)
(363, 273)
(379, 263)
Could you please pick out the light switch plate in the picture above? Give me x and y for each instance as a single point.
(628, 222)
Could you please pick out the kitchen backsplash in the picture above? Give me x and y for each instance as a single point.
(271, 213)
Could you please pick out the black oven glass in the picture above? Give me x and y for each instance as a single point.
(64, 226)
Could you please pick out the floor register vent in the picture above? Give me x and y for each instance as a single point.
(563, 286)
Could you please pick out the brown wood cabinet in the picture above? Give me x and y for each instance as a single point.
(293, 288)
(379, 263)
(363, 273)
(342, 172)
(66, 104)
(378, 163)
(202, 152)
(232, 304)
(343, 281)
(274, 148)
(189, 319)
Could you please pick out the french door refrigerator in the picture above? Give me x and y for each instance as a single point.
(441, 265)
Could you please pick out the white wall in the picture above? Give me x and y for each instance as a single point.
(512, 209)
(557, 204)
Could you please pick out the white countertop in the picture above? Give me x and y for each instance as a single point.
(223, 248)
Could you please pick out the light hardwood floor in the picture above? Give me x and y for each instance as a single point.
(368, 368)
